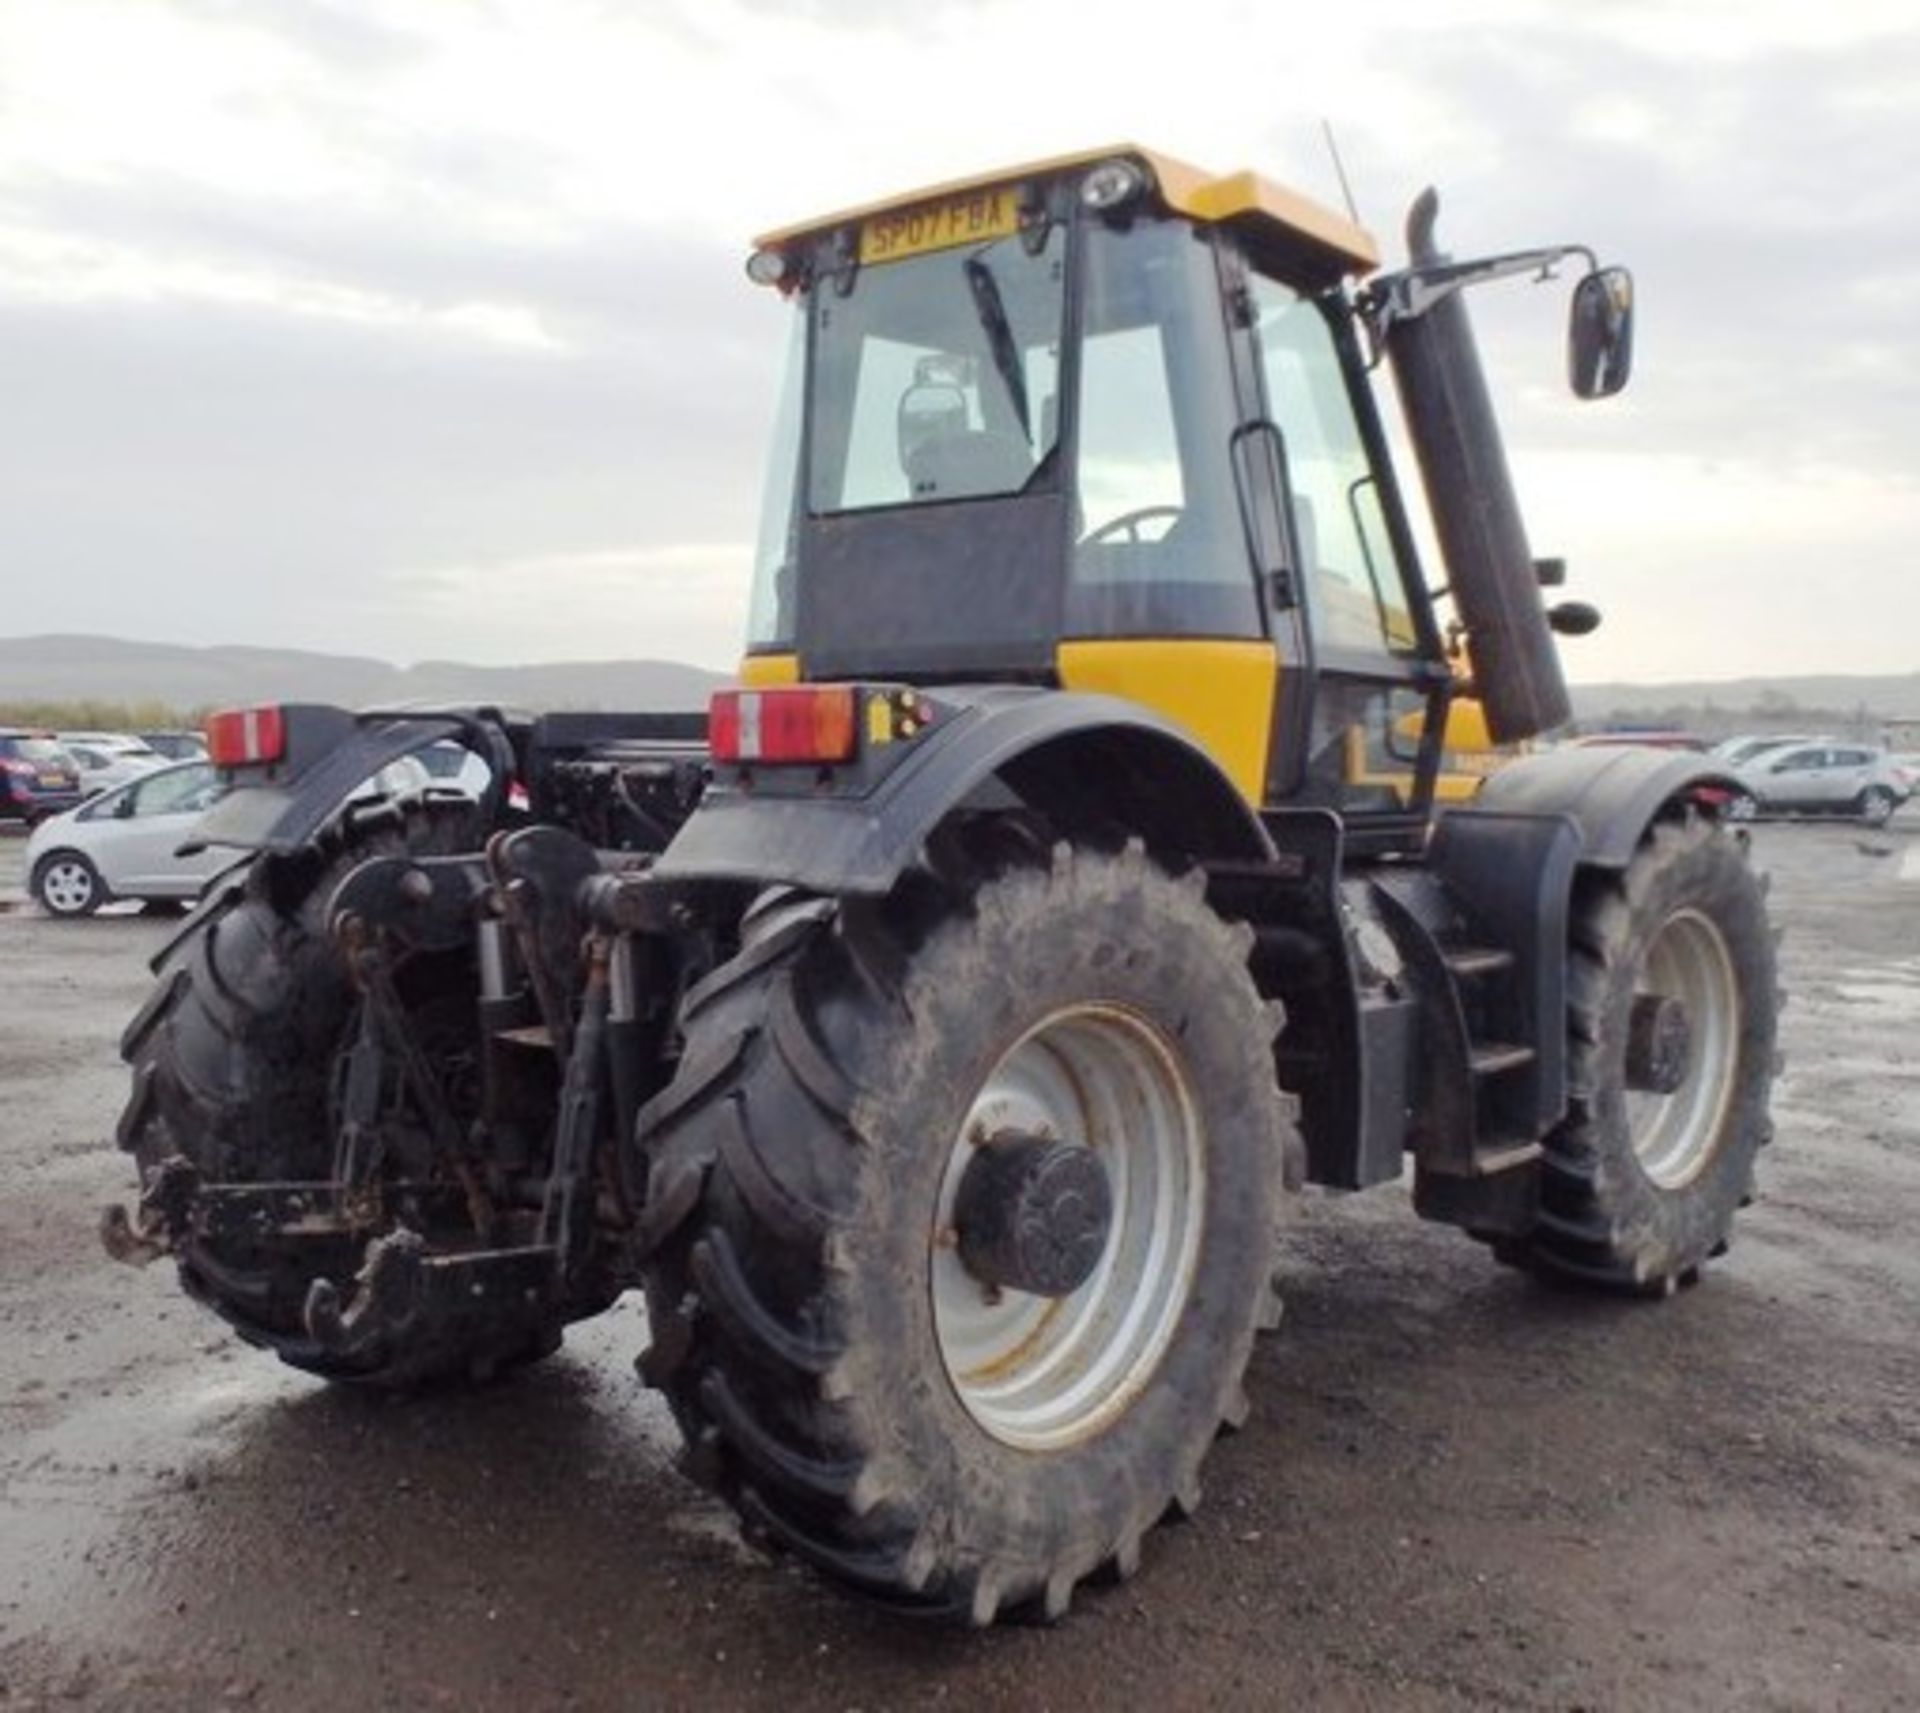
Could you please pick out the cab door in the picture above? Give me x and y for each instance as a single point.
(1359, 734)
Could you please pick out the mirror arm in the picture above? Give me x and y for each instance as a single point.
(1410, 293)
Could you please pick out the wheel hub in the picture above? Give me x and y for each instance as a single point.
(1033, 1214)
(1659, 1044)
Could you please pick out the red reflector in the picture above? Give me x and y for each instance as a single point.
(813, 723)
(239, 736)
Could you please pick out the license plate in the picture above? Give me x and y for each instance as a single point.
(975, 218)
(53, 781)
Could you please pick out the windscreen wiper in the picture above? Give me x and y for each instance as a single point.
(993, 321)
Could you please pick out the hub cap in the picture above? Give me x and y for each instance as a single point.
(67, 886)
(1090, 1085)
(1688, 974)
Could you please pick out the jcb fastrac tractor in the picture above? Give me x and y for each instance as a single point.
(937, 1030)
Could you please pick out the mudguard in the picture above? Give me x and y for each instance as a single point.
(329, 752)
(1611, 792)
(1146, 775)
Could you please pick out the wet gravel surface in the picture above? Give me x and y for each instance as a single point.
(1458, 1488)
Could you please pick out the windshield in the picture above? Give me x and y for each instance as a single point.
(937, 377)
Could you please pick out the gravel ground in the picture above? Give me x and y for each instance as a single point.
(1458, 1488)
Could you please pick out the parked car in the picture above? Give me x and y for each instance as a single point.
(176, 746)
(37, 777)
(126, 843)
(1739, 750)
(1827, 778)
(103, 768)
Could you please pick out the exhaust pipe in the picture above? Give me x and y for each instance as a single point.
(1463, 465)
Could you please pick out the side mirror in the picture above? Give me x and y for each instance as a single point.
(1600, 333)
(123, 810)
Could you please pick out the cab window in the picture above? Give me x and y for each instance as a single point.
(1159, 549)
(1352, 581)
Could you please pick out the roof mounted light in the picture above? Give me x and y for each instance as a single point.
(1112, 185)
(768, 267)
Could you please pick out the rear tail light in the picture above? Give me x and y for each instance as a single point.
(239, 737)
(20, 769)
(807, 723)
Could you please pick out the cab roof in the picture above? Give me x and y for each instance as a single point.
(1270, 216)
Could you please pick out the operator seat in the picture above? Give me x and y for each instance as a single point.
(957, 463)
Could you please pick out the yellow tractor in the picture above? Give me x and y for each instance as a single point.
(937, 1031)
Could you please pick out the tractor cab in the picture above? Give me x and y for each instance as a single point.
(1104, 423)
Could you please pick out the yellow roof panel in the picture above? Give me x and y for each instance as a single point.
(1263, 207)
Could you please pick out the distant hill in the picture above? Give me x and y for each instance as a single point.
(109, 669)
(1731, 703)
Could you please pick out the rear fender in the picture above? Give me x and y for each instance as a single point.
(1088, 763)
(280, 806)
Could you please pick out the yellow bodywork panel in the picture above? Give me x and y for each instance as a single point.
(1220, 692)
(1177, 186)
(769, 671)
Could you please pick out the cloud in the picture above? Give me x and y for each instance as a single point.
(312, 321)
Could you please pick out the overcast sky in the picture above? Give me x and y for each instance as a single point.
(419, 330)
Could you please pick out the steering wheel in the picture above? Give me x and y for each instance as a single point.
(1128, 524)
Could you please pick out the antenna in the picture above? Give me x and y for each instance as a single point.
(1340, 171)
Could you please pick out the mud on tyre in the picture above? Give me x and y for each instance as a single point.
(841, 1374)
(1671, 1052)
(233, 1059)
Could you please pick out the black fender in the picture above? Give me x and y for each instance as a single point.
(1083, 760)
(1611, 792)
(279, 807)
(1512, 857)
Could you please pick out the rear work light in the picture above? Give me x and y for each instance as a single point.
(239, 737)
(809, 723)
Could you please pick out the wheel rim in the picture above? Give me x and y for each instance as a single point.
(1877, 807)
(1742, 809)
(67, 886)
(1042, 1372)
(1674, 1135)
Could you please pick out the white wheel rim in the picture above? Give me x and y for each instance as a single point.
(1674, 1135)
(67, 886)
(1042, 1372)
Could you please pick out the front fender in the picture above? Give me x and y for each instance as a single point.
(1611, 792)
(1054, 749)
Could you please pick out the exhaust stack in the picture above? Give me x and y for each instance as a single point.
(1476, 515)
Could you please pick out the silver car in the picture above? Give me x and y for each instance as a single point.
(1829, 777)
(124, 843)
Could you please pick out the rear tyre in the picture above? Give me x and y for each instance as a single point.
(65, 883)
(1672, 1013)
(233, 1061)
(844, 1371)
(1876, 805)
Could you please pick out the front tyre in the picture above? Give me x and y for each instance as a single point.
(1876, 806)
(990, 1197)
(1672, 1015)
(65, 883)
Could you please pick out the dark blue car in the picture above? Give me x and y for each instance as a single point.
(37, 777)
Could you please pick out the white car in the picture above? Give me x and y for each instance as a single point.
(104, 769)
(1827, 777)
(125, 843)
